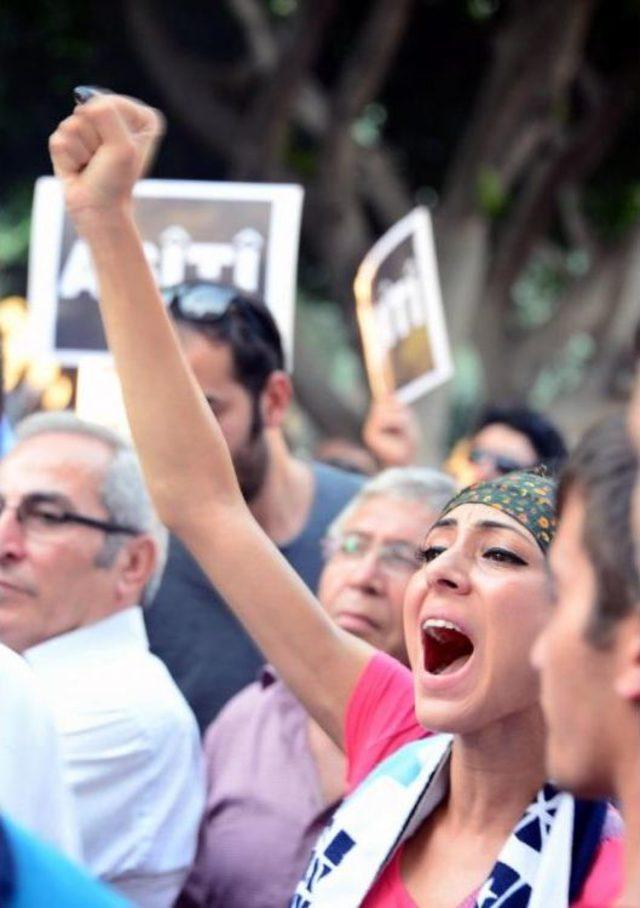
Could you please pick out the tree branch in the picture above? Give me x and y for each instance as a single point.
(343, 234)
(258, 33)
(326, 408)
(185, 83)
(573, 159)
(575, 225)
(267, 121)
(536, 55)
(581, 310)
(384, 188)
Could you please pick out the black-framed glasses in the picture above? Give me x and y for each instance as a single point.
(501, 463)
(207, 302)
(41, 513)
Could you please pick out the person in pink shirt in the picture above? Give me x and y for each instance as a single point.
(273, 775)
(589, 653)
(461, 817)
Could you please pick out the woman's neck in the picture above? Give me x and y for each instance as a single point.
(495, 773)
(493, 776)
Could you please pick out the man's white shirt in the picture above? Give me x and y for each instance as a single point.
(32, 787)
(132, 755)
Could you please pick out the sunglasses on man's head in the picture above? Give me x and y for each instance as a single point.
(501, 464)
(201, 301)
(206, 302)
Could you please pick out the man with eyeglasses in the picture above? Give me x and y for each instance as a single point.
(80, 552)
(233, 347)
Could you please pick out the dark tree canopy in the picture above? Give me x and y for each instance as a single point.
(517, 123)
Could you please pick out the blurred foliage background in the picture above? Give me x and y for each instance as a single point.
(516, 123)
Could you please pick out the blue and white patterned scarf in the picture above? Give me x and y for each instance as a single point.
(533, 870)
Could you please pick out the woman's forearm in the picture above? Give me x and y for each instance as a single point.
(194, 487)
(98, 153)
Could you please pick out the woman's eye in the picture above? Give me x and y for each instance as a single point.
(429, 553)
(504, 556)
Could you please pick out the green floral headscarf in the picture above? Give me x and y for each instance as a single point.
(526, 496)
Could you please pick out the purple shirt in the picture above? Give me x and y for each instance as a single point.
(265, 807)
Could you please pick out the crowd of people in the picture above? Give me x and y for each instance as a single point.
(247, 680)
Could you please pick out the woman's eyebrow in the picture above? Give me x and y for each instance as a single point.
(445, 522)
(481, 525)
(498, 525)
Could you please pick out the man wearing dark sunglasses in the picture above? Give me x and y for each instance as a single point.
(233, 346)
(513, 438)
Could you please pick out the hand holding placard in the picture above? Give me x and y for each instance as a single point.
(392, 433)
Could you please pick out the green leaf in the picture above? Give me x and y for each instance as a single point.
(490, 193)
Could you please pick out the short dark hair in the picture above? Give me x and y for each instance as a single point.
(603, 468)
(545, 438)
(252, 335)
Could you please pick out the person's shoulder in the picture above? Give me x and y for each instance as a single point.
(14, 668)
(244, 707)
(21, 689)
(334, 489)
(605, 877)
(605, 880)
(384, 669)
(244, 702)
(380, 716)
(154, 701)
(331, 478)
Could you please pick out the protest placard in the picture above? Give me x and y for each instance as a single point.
(400, 313)
(243, 234)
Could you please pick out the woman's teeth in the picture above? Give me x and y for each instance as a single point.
(446, 646)
(440, 622)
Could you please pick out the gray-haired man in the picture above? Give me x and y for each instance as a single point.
(80, 550)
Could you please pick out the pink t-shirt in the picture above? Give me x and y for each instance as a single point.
(381, 718)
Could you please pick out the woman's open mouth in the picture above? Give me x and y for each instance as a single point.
(445, 646)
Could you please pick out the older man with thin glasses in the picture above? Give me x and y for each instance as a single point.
(80, 552)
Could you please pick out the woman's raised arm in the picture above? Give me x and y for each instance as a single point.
(99, 152)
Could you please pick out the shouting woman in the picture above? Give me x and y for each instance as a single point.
(463, 817)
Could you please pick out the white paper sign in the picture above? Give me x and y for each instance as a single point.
(244, 234)
(400, 312)
(99, 396)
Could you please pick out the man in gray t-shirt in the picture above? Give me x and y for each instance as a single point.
(234, 349)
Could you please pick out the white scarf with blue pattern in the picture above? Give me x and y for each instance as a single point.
(533, 868)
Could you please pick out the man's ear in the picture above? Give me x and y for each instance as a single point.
(627, 682)
(137, 560)
(275, 399)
